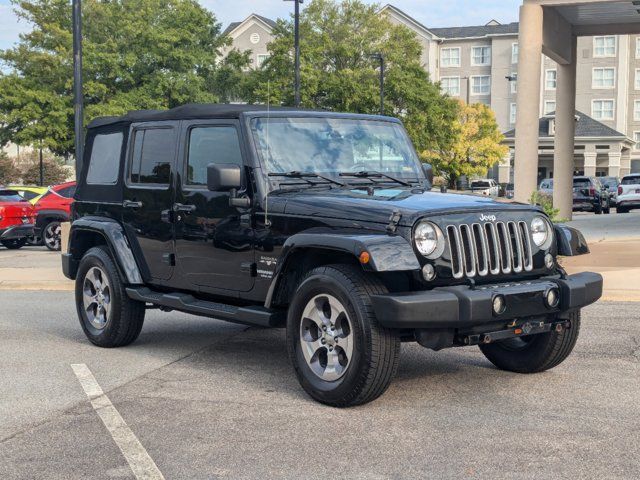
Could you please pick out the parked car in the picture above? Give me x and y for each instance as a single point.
(509, 190)
(486, 187)
(31, 193)
(629, 193)
(295, 218)
(590, 195)
(546, 187)
(17, 216)
(611, 184)
(53, 208)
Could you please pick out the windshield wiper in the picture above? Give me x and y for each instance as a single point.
(305, 176)
(373, 174)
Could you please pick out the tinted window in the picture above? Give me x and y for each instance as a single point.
(105, 159)
(10, 196)
(28, 195)
(610, 182)
(152, 155)
(480, 184)
(581, 183)
(67, 192)
(211, 145)
(631, 180)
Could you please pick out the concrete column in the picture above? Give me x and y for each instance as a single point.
(565, 133)
(625, 163)
(504, 169)
(614, 163)
(529, 72)
(590, 157)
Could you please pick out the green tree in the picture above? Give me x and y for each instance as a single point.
(141, 54)
(8, 171)
(53, 169)
(338, 71)
(477, 145)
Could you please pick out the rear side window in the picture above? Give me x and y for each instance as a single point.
(211, 145)
(631, 180)
(28, 195)
(153, 151)
(69, 192)
(105, 159)
(10, 196)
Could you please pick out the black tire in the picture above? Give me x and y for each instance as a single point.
(622, 210)
(376, 350)
(535, 354)
(597, 209)
(14, 244)
(607, 210)
(125, 316)
(51, 235)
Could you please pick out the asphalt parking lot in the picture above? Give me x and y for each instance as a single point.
(209, 399)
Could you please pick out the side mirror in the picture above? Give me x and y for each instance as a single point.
(428, 172)
(223, 177)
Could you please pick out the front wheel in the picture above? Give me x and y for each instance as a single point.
(51, 235)
(340, 354)
(14, 244)
(535, 353)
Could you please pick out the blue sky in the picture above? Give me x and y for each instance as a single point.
(432, 13)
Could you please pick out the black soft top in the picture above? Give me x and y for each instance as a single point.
(187, 112)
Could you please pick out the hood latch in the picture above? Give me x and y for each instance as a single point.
(394, 220)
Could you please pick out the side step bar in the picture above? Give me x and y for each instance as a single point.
(183, 302)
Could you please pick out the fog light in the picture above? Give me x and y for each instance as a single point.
(552, 298)
(428, 272)
(499, 304)
(548, 261)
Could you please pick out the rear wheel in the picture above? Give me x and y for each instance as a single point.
(535, 353)
(607, 210)
(51, 235)
(340, 354)
(109, 318)
(622, 210)
(597, 209)
(14, 244)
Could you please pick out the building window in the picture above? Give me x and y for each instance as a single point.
(636, 110)
(638, 47)
(450, 57)
(603, 109)
(514, 53)
(254, 38)
(262, 57)
(636, 138)
(481, 85)
(512, 113)
(450, 86)
(604, 77)
(549, 106)
(481, 56)
(551, 79)
(604, 46)
(637, 82)
(514, 83)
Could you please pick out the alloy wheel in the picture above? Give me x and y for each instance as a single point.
(52, 235)
(96, 296)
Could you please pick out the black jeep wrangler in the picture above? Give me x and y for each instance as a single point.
(320, 222)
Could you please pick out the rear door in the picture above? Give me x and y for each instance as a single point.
(148, 196)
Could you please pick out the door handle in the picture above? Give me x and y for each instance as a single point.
(180, 207)
(131, 204)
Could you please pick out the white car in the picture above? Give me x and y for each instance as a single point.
(629, 193)
(485, 186)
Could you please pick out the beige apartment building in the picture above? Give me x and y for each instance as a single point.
(479, 64)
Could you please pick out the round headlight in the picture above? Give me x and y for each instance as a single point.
(539, 231)
(429, 240)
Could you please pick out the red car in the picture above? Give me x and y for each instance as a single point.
(53, 208)
(17, 217)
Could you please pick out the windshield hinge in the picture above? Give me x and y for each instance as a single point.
(394, 220)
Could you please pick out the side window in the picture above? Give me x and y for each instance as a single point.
(69, 191)
(211, 145)
(104, 163)
(153, 150)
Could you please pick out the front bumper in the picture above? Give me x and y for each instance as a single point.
(16, 232)
(464, 306)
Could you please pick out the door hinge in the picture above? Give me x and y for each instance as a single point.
(169, 258)
(394, 220)
(250, 267)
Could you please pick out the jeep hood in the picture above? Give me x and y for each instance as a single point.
(358, 205)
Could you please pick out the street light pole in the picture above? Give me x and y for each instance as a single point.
(296, 43)
(78, 101)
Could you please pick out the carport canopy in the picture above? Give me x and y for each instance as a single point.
(552, 27)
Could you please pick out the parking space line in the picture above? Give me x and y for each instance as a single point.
(141, 463)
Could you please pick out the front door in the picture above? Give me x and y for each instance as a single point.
(148, 196)
(214, 241)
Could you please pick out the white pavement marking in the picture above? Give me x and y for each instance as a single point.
(139, 460)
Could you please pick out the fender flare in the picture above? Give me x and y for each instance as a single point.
(387, 253)
(117, 242)
(54, 214)
(570, 241)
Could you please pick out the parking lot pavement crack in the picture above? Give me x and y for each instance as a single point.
(81, 403)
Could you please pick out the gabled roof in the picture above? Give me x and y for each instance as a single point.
(478, 31)
(233, 25)
(407, 17)
(585, 127)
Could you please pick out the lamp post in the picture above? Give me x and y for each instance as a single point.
(380, 58)
(78, 103)
(296, 43)
(468, 81)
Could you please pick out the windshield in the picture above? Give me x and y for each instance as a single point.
(631, 180)
(10, 196)
(331, 146)
(609, 182)
(581, 183)
(480, 184)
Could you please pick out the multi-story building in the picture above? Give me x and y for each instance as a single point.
(479, 64)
